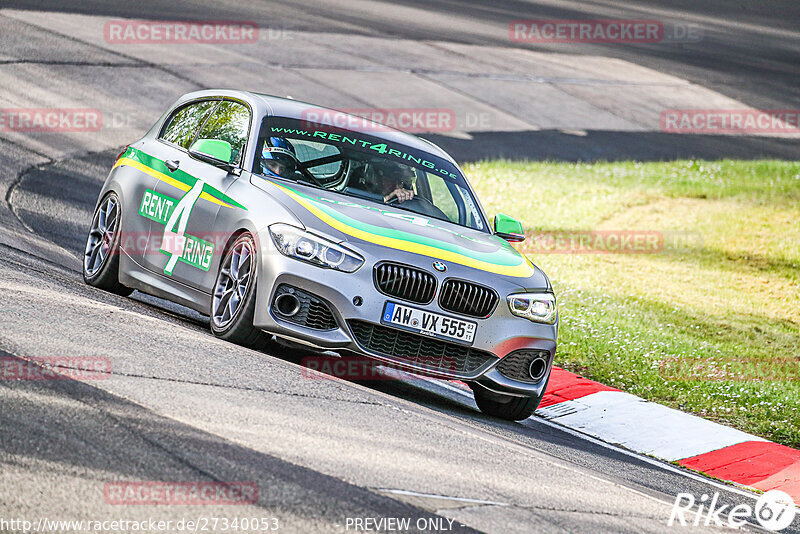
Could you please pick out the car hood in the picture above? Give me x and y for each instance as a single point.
(360, 221)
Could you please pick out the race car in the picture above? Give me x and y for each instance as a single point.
(282, 220)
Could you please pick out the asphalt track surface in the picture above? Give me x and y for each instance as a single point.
(183, 406)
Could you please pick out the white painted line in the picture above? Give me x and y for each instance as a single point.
(443, 497)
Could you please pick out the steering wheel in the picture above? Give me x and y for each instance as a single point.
(421, 205)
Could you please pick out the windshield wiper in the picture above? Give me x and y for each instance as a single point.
(398, 205)
(297, 180)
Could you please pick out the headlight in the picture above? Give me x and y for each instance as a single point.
(538, 307)
(299, 244)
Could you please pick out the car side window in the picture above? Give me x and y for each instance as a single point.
(230, 122)
(182, 125)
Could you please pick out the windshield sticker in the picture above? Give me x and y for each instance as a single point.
(381, 148)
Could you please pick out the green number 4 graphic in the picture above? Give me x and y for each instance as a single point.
(174, 238)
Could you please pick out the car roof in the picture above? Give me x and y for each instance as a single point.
(297, 109)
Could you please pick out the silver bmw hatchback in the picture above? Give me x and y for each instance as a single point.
(284, 220)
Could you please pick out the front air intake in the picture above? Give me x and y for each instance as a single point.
(297, 306)
(525, 365)
(451, 359)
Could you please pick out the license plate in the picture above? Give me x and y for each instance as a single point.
(428, 324)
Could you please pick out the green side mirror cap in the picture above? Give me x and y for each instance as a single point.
(508, 228)
(216, 148)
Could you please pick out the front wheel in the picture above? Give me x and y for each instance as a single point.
(233, 303)
(505, 406)
(101, 257)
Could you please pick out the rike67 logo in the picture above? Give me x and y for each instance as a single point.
(774, 510)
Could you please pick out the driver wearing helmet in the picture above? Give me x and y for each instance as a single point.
(278, 158)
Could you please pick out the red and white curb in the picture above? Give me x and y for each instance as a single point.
(619, 418)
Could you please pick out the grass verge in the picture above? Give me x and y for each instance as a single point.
(708, 320)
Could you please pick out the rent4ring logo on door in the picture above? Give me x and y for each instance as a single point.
(174, 215)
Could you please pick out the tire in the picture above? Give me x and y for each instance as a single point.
(234, 322)
(505, 406)
(101, 256)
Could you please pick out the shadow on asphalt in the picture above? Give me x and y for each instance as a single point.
(105, 438)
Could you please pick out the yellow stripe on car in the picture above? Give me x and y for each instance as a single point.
(523, 270)
(166, 179)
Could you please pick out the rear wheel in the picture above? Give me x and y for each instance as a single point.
(101, 257)
(233, 303)
(505, 406)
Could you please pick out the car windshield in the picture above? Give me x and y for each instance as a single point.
(361, 165)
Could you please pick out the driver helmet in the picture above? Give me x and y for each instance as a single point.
(278, 157)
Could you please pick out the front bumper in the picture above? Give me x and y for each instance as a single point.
(500, 335)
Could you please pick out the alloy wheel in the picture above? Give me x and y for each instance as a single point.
(101, 236)
(232, 284)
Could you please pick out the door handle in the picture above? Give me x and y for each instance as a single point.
(172, 164)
